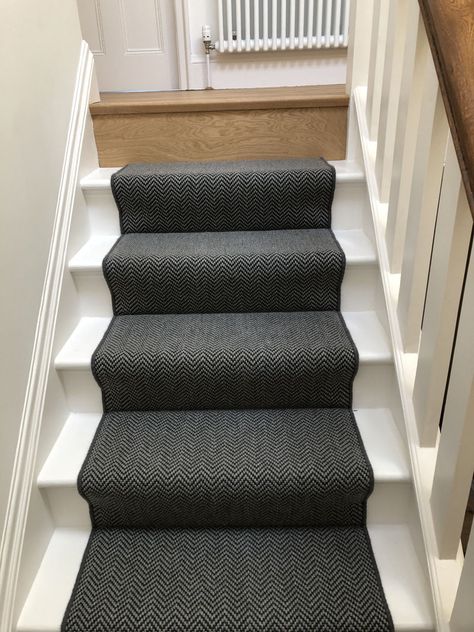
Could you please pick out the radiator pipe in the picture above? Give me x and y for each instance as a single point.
(208, 46)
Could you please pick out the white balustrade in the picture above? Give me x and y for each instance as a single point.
(421, 213)
(455, 460)
(448, 262)
(424, 231)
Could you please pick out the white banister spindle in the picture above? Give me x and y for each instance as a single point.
(327, 26)
(319, 24)
(292, 22)
(309, 30)
(283, 24)
(256, 24)
(247, 25)
(361, 17)
(374, 43)
(265, 24)
(221, 24)
(397, 122)
(415, 143)
(337, 23)
(448, 261)
(274, 24)
(301, 5)
(422, 210)
(396, 32)
(238, 18)
(462, 616)
(230, 42)
(455, 458)
(377, 64)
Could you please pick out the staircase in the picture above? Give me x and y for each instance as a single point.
(391, 514)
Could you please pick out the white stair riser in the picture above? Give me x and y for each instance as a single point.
(359, 290)
(373, 387)
(389, 503)
(350, 209)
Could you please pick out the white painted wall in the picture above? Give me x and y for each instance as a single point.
(39, 49)
(252, 70)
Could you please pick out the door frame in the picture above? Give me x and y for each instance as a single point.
(183, 52)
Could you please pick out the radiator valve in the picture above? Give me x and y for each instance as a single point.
(208, 45)
(206, 39)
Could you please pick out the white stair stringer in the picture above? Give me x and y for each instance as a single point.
(391, 516)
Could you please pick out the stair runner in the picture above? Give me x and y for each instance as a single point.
(227, 481)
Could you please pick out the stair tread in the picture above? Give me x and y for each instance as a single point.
(293, 467)
(365, 328)
(220, 100)
(396, 554)
(357, 247)
(230, 243)
(99, 179)
(383, 443)
(223, 578)
(246, 271)
(226, 360)
(232, 195)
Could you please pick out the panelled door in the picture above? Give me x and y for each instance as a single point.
(133, 41)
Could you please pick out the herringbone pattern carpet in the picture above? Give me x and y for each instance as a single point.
(256, 360)
(255, 468)
(227, 481)
(230, 580)
(279, 270)
(250, 195)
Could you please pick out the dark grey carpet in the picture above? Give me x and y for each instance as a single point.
(228, 580)
(280, 270)
(248, 195)
(227, 481)
(204, 361)
(253, 468)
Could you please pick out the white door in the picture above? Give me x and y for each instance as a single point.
(133, 41)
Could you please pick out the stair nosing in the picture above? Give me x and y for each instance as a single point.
(80, 262)
(53, 475)
(220, 100)
(99, 179)
(95, 327)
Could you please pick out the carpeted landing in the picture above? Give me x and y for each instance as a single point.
(227, 481)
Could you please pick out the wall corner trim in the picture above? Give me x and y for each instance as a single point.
(30, 424)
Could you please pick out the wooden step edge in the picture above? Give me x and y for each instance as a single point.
(220, 100)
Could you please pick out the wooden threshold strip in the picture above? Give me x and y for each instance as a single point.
(220, 100)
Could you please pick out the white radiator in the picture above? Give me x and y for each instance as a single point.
(266, 25)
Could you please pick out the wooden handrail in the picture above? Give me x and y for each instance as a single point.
(449, 26)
